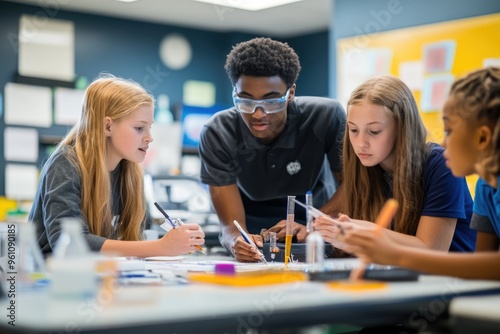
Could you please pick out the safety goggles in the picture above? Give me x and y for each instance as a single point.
(270, 106)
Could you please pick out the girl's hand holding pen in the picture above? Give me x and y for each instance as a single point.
(176, 224)
(184, 239)
(332, 230)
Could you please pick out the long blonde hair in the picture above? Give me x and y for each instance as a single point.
(365, 185)
(476, 96)
(107, 96)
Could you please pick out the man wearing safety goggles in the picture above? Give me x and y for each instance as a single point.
(270, 145)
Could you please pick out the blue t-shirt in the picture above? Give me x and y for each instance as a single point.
(486, 216)
(448, 196)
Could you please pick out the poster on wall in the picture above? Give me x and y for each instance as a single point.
(439, 57)
(412, 74)
(67, 105)
(20, 144)
(21, 181)
(28, 105)
(435, 91)
(491, 62)
(46, 50)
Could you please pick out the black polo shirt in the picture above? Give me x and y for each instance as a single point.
(297, 161)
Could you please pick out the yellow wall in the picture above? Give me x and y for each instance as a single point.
(476, 39)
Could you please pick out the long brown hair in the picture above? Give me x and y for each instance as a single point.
(365, 185)
(113, 97)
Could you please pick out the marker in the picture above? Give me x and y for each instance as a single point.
(383, 220)
(249, 241)
(174, 225)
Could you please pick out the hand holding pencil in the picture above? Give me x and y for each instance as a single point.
(176, 223)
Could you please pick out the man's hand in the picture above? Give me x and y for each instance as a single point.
(244, 252)
(299, 231)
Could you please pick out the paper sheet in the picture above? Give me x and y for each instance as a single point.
(491, 62)
(21, 144)
(46, 50)
(435, 91)
(21, 181)
(439, 57)
(412, 74)
(198, 93)
(28, 105)
(67, 105)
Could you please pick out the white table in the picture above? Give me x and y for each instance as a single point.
(213, 308)
(479, 314)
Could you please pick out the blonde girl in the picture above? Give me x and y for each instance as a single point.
(95, 175)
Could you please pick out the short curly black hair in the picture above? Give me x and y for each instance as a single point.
(263, 57)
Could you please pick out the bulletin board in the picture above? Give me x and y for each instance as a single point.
(472, 43)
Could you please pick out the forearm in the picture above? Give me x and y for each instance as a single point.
(405, 239)
(415, 241)
(432, 233)
(135, 248)
(229, 207)
(464, 265)
(228, 237)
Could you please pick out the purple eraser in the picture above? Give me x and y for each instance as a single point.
(224, 268)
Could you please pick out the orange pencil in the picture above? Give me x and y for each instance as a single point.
(383, 220)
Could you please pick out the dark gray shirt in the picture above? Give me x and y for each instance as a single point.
(302, 158)
(58, 196)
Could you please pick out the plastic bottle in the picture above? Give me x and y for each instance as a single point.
(71, 242)
(72, 266)
(31, 270)
(315, 252)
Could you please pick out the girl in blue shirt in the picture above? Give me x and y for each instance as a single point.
(471, 118)
(385, 156)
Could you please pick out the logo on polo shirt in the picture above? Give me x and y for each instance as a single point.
(293, 167)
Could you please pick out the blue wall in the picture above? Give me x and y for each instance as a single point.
(358, 17)
(130, 49)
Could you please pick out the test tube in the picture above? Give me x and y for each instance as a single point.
(290, 218)
(273, 248)
(309, 217)
(315, 252)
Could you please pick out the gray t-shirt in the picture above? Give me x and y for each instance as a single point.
(58, 196)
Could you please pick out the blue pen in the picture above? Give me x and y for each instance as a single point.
(165, 214)
(249, 241)
(138, 275)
